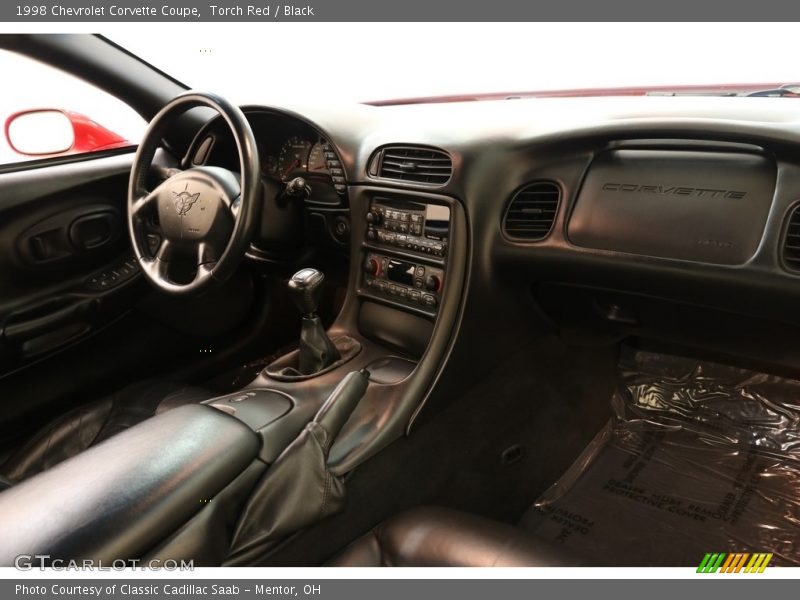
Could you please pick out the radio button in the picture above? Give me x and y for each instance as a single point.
(420, 272)
(416, 218)
(428, 300)
(402, 292)
(414, 295)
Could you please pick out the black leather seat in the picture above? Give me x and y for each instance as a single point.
(440, 537)
(90, 424)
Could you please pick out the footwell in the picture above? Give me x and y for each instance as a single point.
(698, 458)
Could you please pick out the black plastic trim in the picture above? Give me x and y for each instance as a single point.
(65, 160)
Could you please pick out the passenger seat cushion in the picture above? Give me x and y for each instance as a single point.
(89, 424)
(440, 537)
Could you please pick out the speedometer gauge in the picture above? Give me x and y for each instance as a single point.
(293, 156)
(316, 160)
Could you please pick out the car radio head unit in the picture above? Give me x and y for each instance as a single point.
(415, 226)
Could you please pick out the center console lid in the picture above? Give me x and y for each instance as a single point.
(120, 498)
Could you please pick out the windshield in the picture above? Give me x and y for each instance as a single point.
(364, 62)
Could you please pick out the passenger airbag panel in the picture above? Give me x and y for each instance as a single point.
(693, 205)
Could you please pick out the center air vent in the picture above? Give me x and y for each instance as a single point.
(791, 243)
(532, 211)
(412, 163)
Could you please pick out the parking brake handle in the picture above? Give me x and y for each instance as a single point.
(298, 490)
(342, 402)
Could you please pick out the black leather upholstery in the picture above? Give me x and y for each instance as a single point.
(124, 496)
(90, 424)
(298, 490)
(439, 537)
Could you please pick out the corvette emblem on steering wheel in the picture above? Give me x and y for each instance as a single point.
(184, 201)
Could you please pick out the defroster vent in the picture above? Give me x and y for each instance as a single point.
(532, 211)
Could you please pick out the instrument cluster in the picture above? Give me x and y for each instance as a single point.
(303, 156)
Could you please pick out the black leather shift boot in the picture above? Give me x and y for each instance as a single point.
(287, 367)
(316, 349)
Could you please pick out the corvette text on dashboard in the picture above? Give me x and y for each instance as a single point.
(158, 11)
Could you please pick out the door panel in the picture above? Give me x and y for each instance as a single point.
(77, 319)
(64, 255)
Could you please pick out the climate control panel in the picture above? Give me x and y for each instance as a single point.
(410, 283)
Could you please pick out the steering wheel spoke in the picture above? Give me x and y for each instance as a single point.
(235, 206)
(145, 201)
(153, 267)
(166, 251)
(207, 255)
(204, 273)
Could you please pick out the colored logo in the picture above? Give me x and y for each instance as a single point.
(738, 562)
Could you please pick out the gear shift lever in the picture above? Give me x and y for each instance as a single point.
(316, 349)
(305, 286)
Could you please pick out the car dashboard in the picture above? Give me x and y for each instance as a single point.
(662, 218)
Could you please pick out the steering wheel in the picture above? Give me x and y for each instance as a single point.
(206, 216)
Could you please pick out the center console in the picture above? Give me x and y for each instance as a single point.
(407, 274)
(405, 253)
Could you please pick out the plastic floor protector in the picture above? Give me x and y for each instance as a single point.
(698, 457)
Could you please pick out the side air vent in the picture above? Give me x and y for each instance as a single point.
(532, 211)
(412, 163)
(791, 243)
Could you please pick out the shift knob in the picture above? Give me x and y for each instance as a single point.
(305, 287)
